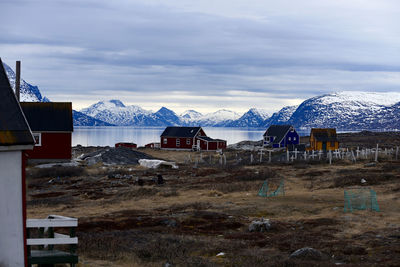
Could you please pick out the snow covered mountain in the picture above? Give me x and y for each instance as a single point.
(115, 112)
(28, 92)
(347, 110)
(220, 118)
(280, 117)
(81, 119)
(252, 118)
(190, 115)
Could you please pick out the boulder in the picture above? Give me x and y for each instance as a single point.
(262, 225)
(307, 254)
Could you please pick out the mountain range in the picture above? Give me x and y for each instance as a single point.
(347, 110)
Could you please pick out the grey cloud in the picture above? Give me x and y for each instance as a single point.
(133, 46)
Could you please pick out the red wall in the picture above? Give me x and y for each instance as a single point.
(213, 145)
(128, 145)
(171, 143)
(54, 146)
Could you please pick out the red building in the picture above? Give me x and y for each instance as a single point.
(152, 145)
(52, 125)
(189, 138)
(128, 145)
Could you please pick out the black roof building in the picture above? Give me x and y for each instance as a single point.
(49, 116)
(14, 129)
(278, 132)
(173, 131)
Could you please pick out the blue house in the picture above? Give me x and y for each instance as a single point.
(281, 136)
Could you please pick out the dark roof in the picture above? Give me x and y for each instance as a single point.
(279, 131)
(49, 116)
(14, 129)
(181, 131)
(324, 134)
(209, 139)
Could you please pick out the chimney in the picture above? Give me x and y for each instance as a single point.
(17, 79)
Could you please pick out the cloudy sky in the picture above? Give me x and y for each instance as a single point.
(204, 54)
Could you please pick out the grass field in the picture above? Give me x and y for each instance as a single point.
(201, 212)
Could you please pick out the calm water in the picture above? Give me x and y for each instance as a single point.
(108, 136)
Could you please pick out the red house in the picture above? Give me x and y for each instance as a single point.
(189, 138)
(128, 145)
(152, 145)
(52, 125)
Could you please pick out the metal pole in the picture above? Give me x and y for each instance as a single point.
(17, 79)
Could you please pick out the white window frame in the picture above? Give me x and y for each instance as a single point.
(39, 135)
(294, 138)
(165, 141)
(178, 142)
(188, 141)
(290, 138)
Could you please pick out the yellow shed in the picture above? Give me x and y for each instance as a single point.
(323, 139)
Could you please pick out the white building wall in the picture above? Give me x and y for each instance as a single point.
(11, 221)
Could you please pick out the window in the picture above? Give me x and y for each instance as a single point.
(294, 138)
(188, 141)
(332, 144)
(290, 138)
(165, 141)
(178, 142)
(38, 139)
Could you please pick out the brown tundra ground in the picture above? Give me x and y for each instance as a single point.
(203, 211)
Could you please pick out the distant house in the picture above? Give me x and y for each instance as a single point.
(152, 145)
(15, 139)
(128, 145)
(51, 124)
(189, 138)
(323, 139)
(281, 136)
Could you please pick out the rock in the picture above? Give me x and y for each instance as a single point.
(307, 254)
(371, 164)
(262, 225)
(170, 223)
(363, 181)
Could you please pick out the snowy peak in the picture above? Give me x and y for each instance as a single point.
(263, 114)
(360, 98)
(165, 112)
(349, 110)
(222, 115)
(28, 92)
(252, 118)
(280, 117)
(191, 115)
(117, 103)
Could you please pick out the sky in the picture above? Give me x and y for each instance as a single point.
(203, 55)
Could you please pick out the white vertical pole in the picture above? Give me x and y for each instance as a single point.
(376, 152)
(287, 155)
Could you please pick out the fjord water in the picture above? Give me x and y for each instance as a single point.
(109, 135)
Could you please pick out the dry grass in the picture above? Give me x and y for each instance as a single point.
(201, 212)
